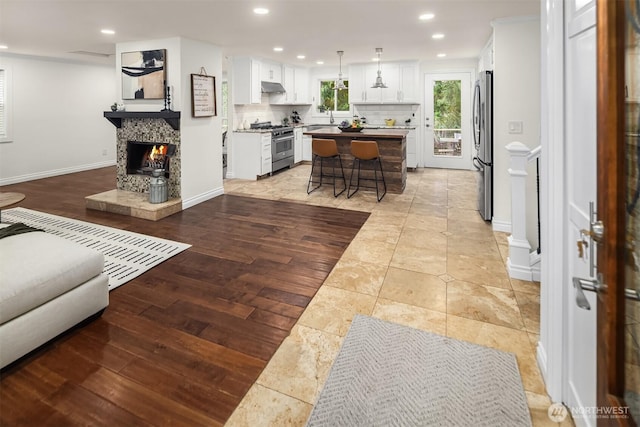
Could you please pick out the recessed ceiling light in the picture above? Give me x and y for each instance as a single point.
(300, 56)
(442, 55)
(426, 16)
(278, 49)
(4, 46)
(375, 59)
(437, 36)
(106, 31)
(320, 62)
(261, 11)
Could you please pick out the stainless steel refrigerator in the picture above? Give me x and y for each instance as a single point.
(483, 140)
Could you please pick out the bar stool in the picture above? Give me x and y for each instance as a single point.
(325, 149)
(366, 151)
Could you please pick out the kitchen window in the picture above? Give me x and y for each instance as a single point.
(331, 99)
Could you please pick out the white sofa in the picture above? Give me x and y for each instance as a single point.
(48, 284)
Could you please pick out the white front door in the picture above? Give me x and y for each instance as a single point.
(447, 141)
(580, 364)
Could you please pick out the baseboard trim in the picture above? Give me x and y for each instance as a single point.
(518, 272)
(541, 356)
(55, 172)
(203, 197)
(503, 226)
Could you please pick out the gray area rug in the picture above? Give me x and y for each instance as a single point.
(392, 375)
(126, 254)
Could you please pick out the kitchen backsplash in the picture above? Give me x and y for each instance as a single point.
(377, 114)
(374, 113)
(263, 112)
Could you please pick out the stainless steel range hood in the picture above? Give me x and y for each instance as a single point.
(270, 87)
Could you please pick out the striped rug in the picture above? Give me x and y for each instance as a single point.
(127, 255)
(392, 375)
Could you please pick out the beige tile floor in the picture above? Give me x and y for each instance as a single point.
(424, 259)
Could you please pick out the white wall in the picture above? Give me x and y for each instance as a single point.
(516, 97)
(57, 118)
(200, 138)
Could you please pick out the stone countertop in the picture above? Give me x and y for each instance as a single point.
(253, 130)
(369, 126)
(364, 125)
(373, 133)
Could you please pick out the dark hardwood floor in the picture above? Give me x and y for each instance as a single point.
(182, 343)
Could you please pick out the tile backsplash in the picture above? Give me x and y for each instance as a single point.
(376, 114)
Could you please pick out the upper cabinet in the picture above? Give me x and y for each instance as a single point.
(296, 84)
(249, 72)
(401, 80)
(246, 81)
(271, 72)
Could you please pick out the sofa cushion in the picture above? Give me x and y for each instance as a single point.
(36, 267)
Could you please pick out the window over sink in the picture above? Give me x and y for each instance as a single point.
(331, 99)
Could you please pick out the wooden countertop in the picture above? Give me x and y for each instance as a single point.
(330, 132)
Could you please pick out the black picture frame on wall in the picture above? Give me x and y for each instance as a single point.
(144, 74)
(203, 95)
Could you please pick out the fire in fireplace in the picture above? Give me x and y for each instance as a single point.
(145, 157)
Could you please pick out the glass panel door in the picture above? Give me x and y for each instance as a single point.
(447, 134)
(632, 247)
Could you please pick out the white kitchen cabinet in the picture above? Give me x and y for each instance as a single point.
(412, 149)
(271, 72)
(296, 85)
(297, 145)
(306, 147)
(302, 86)
(358, 82)
(408, 87)
(251, 154)
(401, 80)
(246, 81)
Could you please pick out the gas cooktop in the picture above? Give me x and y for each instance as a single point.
(268, 125)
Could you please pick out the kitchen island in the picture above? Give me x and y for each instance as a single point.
(392, 144)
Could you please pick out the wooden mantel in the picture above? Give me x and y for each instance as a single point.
(171, 117)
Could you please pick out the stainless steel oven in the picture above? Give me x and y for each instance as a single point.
(281, 148)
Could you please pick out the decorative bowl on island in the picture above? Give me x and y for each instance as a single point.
(350, 129)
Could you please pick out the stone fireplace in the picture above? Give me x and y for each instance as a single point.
(145, 141)
(135, 138)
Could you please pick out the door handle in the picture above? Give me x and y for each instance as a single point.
(632, 294)
(591, 285)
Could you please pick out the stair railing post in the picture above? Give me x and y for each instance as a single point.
(518, 262)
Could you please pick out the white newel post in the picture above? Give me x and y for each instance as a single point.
(518, 262)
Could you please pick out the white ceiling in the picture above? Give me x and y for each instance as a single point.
(315, 28)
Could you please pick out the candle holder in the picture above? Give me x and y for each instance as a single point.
(167, 99)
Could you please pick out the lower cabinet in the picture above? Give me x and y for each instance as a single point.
(306, 147)
(412, 149)
(297, 145)
(251, 154)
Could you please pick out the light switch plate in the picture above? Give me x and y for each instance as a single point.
(515, 126)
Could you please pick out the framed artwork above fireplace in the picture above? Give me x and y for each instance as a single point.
(143, 74)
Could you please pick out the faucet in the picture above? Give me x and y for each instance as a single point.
(331, 117)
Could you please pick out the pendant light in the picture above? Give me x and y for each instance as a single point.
(378, 83)
(340, 83)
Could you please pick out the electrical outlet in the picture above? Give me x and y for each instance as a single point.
(104, 152)
(515, 126)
